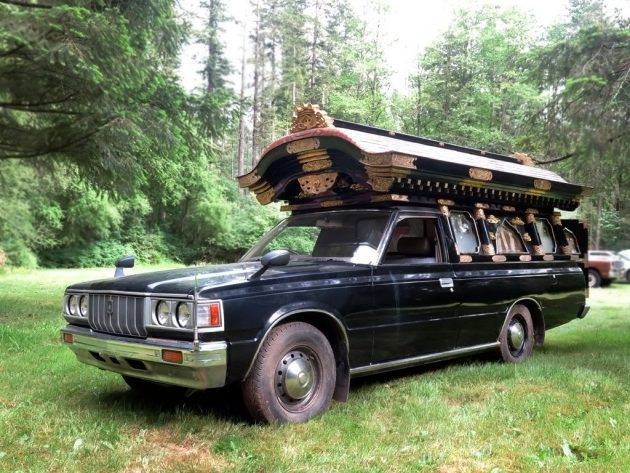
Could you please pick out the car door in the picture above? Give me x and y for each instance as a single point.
(414, 305)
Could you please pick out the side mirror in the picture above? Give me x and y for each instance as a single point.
(273, 258)
(124, 262)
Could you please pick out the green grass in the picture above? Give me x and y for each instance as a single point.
(567, 409)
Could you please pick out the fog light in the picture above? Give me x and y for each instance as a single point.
(173, 356)
(68, 338)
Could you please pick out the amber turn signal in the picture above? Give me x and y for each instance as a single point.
(68, 338)
(173, 356)
(215, 314)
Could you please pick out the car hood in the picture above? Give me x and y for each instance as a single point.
(184, 280)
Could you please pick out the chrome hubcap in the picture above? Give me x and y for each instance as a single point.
(516, 335)
(296, 376)
(591, 280)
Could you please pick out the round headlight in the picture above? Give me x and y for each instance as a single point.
(73, 305)
(83, 306)
(183, 314)
(162, 312)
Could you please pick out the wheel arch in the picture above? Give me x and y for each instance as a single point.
(333, 329)
(538, 319)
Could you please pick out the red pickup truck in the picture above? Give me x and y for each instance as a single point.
(603, 268)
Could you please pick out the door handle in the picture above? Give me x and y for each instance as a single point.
(446, 283)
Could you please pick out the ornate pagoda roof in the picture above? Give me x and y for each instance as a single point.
(325, 162)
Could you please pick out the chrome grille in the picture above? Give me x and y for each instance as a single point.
(118, 314)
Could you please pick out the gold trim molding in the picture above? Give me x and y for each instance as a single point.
(317, 165)
(308, 116)
(390, 159)
(299, 146)
(248, 179)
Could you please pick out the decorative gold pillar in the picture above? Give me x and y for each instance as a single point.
(487, 248)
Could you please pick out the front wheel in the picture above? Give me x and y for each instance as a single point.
(293, 376)
(517, 336)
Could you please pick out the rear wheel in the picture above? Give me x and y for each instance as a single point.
(628, 276)
(606, 282)
(293, 376)
(594, 279)
(517, 336)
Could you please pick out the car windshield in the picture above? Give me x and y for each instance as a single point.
(352, 236)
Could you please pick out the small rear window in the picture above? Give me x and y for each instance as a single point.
(546, 235)
(572, 241)
(465, 232)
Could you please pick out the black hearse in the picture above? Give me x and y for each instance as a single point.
(399, 251)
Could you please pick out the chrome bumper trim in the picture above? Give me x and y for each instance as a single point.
(584, 311)
(418, 360)
(202, 367)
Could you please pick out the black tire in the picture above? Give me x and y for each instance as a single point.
(606, 282)
(293, 377)
(519, 321)
(594, 279)
(627, 276)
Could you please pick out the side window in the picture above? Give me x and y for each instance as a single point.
(546, 235)
(573, 244)
(465, 232)
(508, 239)
(413, 240)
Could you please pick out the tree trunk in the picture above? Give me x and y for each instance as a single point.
(241, 111)
(255, 109)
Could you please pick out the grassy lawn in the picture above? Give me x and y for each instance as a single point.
(567, 409)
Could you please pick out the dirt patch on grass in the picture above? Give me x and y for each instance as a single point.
(162, 451)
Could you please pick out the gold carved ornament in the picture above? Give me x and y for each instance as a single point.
(531, 218)
(509, 208)
(499, 258)
(556, 220)
(487, 249)
(542, 184)
(479, 214)
(526, 237)
(465, 258)
(523, 158)
(315, 184)
(538, 250)
(380, 184)
(492, 235)
(517, 221)
(480, 174)
(308, 116)
(492, 219)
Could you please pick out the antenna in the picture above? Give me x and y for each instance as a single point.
(196, 327)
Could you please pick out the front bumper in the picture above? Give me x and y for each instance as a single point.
(202, 367)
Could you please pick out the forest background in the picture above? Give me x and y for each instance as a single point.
(103, 152)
